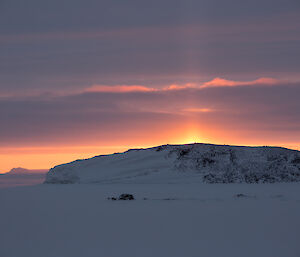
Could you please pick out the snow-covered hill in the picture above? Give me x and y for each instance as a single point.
(184, 163)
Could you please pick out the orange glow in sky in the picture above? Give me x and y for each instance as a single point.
(35, 157)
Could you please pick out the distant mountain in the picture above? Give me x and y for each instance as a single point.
(22, 177)
(192, 163)
(23, 171)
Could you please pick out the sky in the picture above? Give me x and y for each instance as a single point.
(83, 78)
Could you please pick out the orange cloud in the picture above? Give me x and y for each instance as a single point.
(178, 87)
(198, 110)
(119, 88)
(219, 82)
(216, 82)
(137, 88)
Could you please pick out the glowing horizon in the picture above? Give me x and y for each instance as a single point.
(48, 157)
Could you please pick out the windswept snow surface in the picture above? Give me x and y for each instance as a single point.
(194, 162)
(176, 220)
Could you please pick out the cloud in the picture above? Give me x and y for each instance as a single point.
(179, 87)
(216, 82)
(119, 89)
(219, 82)
(197, 110)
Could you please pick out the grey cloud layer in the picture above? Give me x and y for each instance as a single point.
(61, 15)
(70, 44)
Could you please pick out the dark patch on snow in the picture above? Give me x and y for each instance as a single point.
(296, 160)
(122, 197)
(183, 153)
(126, 197)
(240, 195)
(206, 161)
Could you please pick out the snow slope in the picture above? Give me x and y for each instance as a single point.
(182, 163)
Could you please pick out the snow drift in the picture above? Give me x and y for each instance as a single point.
(190, 163)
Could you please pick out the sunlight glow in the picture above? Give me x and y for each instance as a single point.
(191, 134)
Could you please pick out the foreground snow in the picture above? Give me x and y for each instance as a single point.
(194, 162)
(189, 220)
